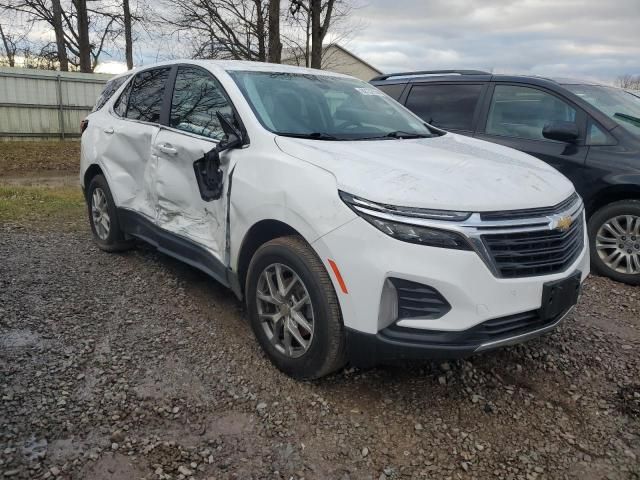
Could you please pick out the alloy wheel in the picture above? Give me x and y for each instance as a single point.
(100, 213)
(285, 310)
(618, 244)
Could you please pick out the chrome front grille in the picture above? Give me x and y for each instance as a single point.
(540, 252)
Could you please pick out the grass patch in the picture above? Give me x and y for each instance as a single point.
(55, 207)
(28, 157)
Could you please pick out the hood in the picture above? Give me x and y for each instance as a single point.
(450, 172)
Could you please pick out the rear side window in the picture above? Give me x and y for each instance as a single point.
(197, 97)
(393, 90)
(108, 91)
(450, 107)
(146, 94)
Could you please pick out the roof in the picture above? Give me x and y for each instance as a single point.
(240, 65)
(422, 76)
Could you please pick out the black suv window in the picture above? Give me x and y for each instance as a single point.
(393, 90)
(523, 112)
(108, 91)
(446, 106)
(197, 97)
(145, 96)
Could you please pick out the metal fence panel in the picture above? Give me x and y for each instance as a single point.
(45, 104)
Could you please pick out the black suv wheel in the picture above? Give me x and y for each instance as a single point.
(614, 236)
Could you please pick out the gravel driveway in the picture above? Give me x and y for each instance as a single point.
(135, 366)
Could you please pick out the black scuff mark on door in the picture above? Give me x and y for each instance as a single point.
(232, 277)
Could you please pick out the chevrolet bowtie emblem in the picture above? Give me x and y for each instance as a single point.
(562, 224)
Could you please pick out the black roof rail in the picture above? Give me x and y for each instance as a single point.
(429, 72)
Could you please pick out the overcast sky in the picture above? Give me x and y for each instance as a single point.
(591, 39)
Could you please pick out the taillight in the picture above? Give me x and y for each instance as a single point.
(83, 125)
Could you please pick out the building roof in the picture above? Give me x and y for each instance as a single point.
(288, 54)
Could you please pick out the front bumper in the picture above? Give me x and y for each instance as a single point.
(395, 344)
(367, 258)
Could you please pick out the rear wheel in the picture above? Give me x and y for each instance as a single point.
(103, 217)
(614, 235)
(293, 309)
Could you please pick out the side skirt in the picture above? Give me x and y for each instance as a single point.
(177, 247)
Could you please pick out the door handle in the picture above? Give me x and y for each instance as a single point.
(168, 149)
(108, 130)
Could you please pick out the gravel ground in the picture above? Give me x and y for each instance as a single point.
(134, 366)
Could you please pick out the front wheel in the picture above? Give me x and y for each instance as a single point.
(293, 309)
(614, 236)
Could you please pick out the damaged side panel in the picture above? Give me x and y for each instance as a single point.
(180, 208)
(126, 156)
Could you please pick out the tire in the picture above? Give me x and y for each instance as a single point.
(325, 349)
(616, 228)
(114, 239)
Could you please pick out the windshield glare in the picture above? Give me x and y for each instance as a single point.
(621, 106)
(325, 107)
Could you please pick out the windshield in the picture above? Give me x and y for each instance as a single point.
(621, 106)
(324, 107)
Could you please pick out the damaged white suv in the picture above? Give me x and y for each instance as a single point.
(354, 231)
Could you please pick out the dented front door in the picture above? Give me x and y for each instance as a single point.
(180, 209)
(193, 129)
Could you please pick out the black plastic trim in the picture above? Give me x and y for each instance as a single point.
(175, 246)
(396, 344)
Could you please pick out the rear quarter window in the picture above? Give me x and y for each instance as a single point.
(109, 89)
(393, 90)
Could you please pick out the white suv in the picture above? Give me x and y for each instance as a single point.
(354, 231)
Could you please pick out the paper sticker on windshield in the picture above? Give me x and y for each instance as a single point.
(370, 91)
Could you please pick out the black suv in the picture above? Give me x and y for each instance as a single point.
(589, 132)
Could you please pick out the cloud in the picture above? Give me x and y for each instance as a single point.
(580, 38)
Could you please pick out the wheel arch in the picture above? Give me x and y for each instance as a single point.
(614, 193)
(259, 234)
(93, 170)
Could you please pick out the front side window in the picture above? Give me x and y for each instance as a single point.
(450, 107)
(325, 107)
(523, 112)
(145, 97)
(197, 97)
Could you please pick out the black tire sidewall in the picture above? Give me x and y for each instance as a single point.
(115, 238)
(625, 207)
(312, 361)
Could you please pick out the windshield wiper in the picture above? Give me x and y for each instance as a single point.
(401, 134)
(397, 134)
(312, 136)
(628, 118)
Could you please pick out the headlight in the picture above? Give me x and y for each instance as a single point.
(407, 232)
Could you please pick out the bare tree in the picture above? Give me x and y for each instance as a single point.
(318, 14)
(82, 35)
(233, 29)
(84, 30)
(275, 45)
(338, 29)
(58, 28)
(10, 47)
(628, 81)
(126, 20)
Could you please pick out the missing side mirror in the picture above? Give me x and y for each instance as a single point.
(209, 175)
